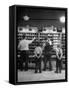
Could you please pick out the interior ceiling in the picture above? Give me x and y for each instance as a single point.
(40, 14)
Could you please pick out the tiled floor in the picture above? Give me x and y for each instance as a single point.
(45, 75)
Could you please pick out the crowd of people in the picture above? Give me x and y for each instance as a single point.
(46, 47)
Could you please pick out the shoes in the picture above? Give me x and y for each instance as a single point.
(56, 71)
(50, 69)
(21, 69)
(40, 72)
(35, 72)
(26, 69)
(59, 71)
(44, 69)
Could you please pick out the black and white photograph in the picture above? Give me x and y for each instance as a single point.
(41, 49)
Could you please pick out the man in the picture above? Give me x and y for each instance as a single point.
(47, 53)
(58, 59)
(24, 47)
(38, 53)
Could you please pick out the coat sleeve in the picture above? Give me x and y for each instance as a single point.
(30, 41)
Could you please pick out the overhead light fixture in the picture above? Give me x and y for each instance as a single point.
(26, 18)
(62, 19)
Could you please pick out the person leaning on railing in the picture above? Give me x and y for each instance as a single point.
(38, 58)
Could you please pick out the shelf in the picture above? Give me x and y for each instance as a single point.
(55, 40)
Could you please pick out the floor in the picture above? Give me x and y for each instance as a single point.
(29, 75)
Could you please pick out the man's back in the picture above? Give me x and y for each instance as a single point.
(24, 44)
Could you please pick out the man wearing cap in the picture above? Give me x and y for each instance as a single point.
(47, 53)
(23, 46)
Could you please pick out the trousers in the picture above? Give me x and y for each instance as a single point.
(58, 65)
(47, 58)
(37, 64)
(24, 59)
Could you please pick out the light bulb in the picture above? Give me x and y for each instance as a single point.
(62, 19)
(26, 18)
